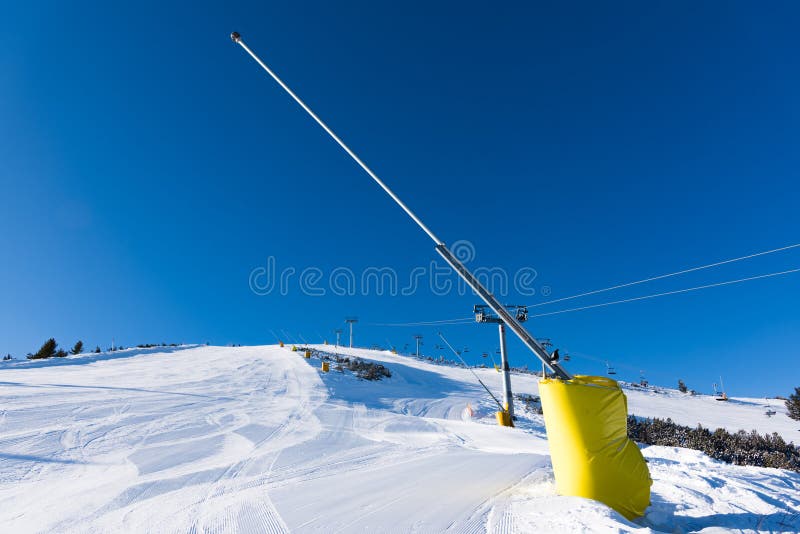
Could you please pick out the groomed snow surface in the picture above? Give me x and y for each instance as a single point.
(257, 439)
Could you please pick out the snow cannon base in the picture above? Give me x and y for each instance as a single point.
(587, 431)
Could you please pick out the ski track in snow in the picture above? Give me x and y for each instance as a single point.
(256, 439)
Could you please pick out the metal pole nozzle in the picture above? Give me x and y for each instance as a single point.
(235, 37)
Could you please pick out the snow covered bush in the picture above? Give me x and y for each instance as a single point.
(740, 448)
(531, 402)
(361, 368)
(368, 370)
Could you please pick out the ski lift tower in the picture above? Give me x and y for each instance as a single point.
(338, 333)
(351, 321)
(483, 314)
(418, 338)
(723, 396)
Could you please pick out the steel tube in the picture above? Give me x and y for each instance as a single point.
(441, 248)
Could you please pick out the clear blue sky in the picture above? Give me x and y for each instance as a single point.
(148, 166)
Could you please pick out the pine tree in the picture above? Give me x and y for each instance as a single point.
(97, 350)
(78, 348)
(793, 404)
(682, 387)
(48, 350)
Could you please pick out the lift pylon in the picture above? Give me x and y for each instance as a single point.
(482, 315)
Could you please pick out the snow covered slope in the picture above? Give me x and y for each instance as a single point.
(257, 439)
(736, 414)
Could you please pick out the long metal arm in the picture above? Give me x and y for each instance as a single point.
(238, 40)
(441, 248)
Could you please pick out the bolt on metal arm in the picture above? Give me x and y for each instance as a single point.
(441, 248)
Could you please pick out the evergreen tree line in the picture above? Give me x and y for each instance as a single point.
(740, 448)
(50, 349)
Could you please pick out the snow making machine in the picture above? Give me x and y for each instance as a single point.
(585, 416)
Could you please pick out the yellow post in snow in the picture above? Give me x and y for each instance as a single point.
(307, 354)
(326, 366)
(504, 418)
(280, 343)
(587, 430)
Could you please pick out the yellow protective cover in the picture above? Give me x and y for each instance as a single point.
(586, 420)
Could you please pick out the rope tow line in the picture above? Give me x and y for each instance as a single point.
(502, 408)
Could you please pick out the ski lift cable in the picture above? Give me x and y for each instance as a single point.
(668, 275)
(666, 293)
(471, 371)
(619, 286)
(464, 320)
(611, 303)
